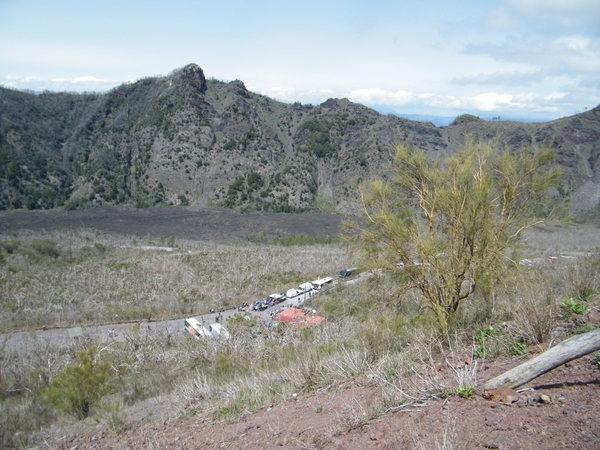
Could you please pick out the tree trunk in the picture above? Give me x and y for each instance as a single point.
(564, 352)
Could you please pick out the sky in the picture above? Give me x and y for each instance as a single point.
(533, 60)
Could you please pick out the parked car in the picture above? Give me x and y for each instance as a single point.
(260, 305)
(347, 272)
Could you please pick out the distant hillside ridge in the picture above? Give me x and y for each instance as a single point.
(185, 139)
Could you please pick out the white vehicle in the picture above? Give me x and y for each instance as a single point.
(291, 293)
(195, 328)
(321, 283)
(305, 287)
(218, 331)
(275, 298)
(299, 298)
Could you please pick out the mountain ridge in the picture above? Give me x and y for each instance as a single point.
(186, 139)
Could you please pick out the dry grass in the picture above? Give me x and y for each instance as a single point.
(554, 238)
(100, 282)
(386, 341)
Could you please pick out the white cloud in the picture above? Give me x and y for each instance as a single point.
(379, 96)
(560, 62)
(58, 84)
(279, 93)
(89, 79)
(448, 104)
(322, 91)
(491, 101)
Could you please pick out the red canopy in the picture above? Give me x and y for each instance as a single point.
(290, 315)
(298, 317)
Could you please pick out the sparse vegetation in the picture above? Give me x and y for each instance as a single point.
(92, 282)
(386, 341)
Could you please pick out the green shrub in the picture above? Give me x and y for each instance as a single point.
(518, 349)
(465, 391)
(183, 200)
(81, 385)
(571, 306)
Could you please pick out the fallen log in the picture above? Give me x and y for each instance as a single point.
(566, 351)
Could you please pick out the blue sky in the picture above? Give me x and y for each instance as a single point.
(528, 59)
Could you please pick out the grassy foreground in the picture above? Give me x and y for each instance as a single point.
(67, 279)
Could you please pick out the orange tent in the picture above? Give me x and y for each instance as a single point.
(298, 317)
(290, 315)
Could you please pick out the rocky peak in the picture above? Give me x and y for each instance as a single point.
(193, 75)
(239, 88)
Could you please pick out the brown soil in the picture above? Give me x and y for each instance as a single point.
(559, 410)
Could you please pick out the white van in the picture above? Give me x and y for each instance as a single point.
(218, 331)
(321, 283)
(195, 328)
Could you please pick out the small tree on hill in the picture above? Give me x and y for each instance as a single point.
(447, 227)
(81, 385)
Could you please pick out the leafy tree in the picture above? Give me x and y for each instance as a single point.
(81, 385)
(447, 227)
(317, 142)
(254, 181)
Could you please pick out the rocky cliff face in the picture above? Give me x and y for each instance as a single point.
(185, 139)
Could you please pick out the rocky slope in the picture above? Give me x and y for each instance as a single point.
(185, 139)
